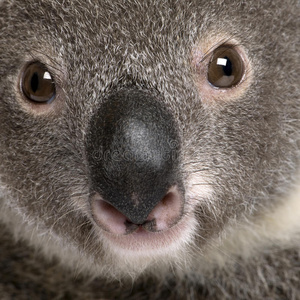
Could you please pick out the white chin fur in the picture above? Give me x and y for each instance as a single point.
(132, 255)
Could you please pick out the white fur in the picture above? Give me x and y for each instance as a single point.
(279, 227)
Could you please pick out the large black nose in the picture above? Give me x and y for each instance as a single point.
(132, 149)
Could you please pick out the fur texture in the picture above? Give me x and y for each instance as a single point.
(239, 235)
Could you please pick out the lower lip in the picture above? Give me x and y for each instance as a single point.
(146, 242)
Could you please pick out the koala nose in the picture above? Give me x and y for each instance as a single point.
(133, 153)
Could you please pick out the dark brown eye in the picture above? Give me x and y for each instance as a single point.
(226, 68)
(37, 83)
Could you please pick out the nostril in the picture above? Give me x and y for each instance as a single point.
(108, 217)
(168, 211)
(163, 216)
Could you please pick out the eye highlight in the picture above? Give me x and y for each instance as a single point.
(37, 83)
(226, 67)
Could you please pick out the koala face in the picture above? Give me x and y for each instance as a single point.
(133, 134)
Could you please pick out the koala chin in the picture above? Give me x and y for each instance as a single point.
(149, 149)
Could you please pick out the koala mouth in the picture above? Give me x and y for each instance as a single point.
(163, 216)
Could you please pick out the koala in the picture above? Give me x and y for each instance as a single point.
(149, 149)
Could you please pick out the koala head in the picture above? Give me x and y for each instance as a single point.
(133, 134)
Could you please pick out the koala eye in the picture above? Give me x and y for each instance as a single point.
(226, 67)
(37, 83)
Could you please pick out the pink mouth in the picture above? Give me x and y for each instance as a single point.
(145, 242)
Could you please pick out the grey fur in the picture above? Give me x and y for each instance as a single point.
(248, 147)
